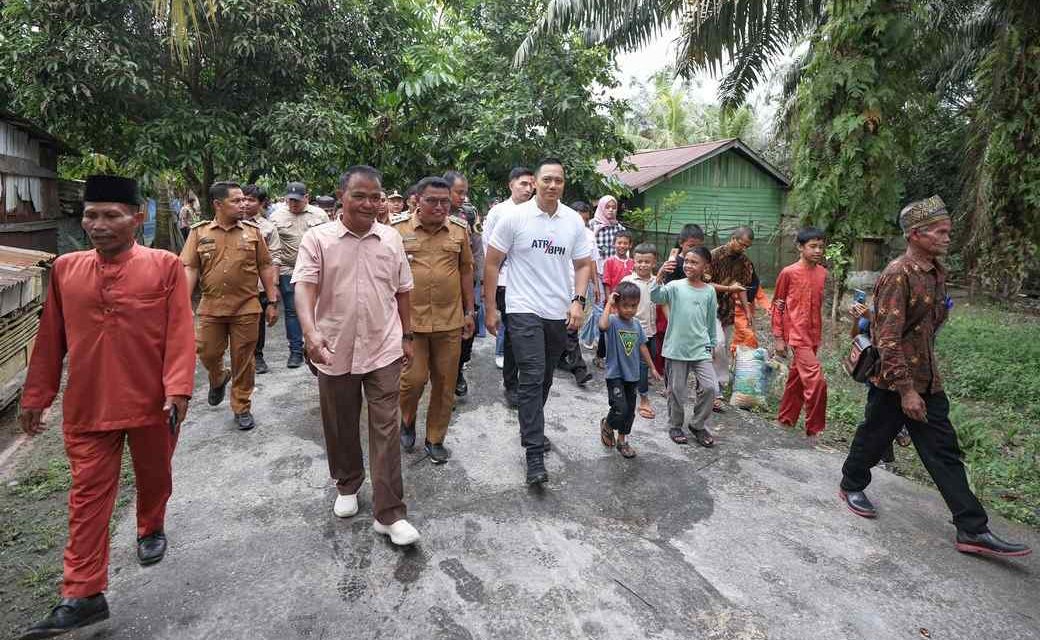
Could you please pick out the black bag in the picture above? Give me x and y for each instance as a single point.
(863, 360)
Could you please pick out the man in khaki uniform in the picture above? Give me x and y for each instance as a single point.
(256, 203)
(292, 221)
(229, 257)
(442, 311)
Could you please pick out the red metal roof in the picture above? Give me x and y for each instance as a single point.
(659, 164)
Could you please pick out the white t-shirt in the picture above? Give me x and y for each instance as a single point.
(541, 250)
(494, 216)
(647, 311)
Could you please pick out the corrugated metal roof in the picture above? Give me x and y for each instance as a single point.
(37, 132)
(15, 257)
(659, 164)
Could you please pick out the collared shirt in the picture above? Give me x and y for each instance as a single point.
(468, 214)
(358, 279)
(605, 237)
(291, 228)
(274, 242)
(436, 259)
(909, 309)
(125, 326)
(229, 261)
(728, 267)
(797, 313)
(647, 311)
(541, 249)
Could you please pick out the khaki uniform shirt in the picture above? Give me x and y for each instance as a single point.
(436, 258)
(291, 228)
(229, 263)
(274, 243)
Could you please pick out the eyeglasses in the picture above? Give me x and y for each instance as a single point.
(437, 202)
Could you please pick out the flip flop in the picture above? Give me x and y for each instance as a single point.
(626, 450)
(647, 412)
(677, 435)
(606, 434)
(704, 439)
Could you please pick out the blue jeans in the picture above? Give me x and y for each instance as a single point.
(292, 323)
(500, 340)
(644, 371)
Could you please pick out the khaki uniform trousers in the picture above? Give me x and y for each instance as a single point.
(436, 359)
(212, 338)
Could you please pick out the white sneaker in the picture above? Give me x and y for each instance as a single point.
(401, 533)
(500, 361)
(345, 506)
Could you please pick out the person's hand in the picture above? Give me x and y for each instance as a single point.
(780, 348)
(657, 374)
(31, 421)
(409, 351)
(318, 349)
(574, 316)
(181, 402)
(914, 407)
(491, 322)
(858, 310)
(736, 288)
(597, 295)
(469, 326)
(272, 314)
(668, 268)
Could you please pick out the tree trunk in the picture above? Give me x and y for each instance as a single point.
(163, 221)
(839, 289)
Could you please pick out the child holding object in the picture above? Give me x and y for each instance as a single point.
(797, 320)
(615, 268)
(626, 346)
(688, 342)
(645, 258)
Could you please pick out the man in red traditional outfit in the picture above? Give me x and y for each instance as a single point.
(798, 323)
(121, 314)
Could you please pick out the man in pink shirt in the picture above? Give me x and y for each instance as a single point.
(352, 295)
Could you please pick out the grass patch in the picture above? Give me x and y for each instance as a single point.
(989, 358)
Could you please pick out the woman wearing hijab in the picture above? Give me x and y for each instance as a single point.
(606, 226)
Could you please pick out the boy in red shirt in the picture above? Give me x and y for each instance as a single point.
(798, 322)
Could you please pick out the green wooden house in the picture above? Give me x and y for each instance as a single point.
(719, 185)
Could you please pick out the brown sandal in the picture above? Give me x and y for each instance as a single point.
(626, 449)
(704, 438)
(677, 436)
(606, 434)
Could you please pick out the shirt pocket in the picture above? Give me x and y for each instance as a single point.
(247, 254)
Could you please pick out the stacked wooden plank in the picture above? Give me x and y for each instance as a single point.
(22, 285)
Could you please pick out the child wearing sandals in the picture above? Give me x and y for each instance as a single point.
(626, 346)
(645, 257)
(688, 342)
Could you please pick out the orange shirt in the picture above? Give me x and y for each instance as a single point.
(798, 305)
(126, 326)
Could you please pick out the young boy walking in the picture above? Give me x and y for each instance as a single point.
(615, 268)
(626, 348)
(798, 324)
(688, 342)
(645, 258)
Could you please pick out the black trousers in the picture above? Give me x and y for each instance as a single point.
(935, 441)
(262, 337)
(509, 371)
(572, 360)
(537, 345)
(622, 396)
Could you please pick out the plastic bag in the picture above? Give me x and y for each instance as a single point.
(753, 373)
(589, 333)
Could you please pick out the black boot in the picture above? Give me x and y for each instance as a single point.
(987, 544)
(461, 388)
(71, 613)
(261, 364)
(151, 548)
(407, 436)
(536, 473)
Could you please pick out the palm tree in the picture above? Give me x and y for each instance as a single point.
(181, 18)
(750, 33)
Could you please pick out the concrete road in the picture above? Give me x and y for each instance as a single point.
(747, 540)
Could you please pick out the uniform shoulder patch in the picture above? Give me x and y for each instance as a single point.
(251, 224)
(400, 217)
(200, 223)
(459, 221)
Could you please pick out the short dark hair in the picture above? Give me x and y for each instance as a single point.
(702, 252)
(742, 231)
(220, 190)
(411, 191)
(581, 206)
(451, 177)
(255, 191)
(435, 182)
(628, 291)
(624, 233)
(548, 161)
(520, 172)
(359, 170)
(645, 247)
(689, 232)
(809, 233)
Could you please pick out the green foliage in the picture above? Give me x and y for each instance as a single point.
(853, 118)
(645, 218)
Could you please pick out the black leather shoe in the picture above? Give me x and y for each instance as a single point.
(244, 421)
(407, 436)
(438, 454)
(583, 378)
(216, 394)
(511, 400)
(261, 364)
(295, 360)
(71, 613)
(858, 503)
(461, 388)
(151, 548)
(987, 544)
(536, 473)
